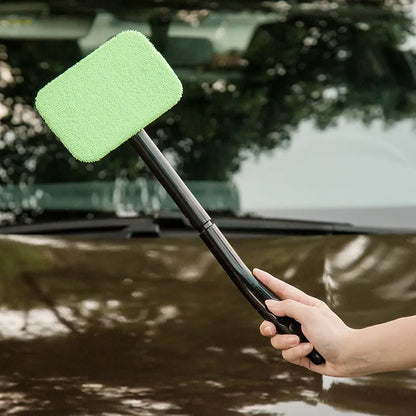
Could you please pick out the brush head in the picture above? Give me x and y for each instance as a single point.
(109, 96)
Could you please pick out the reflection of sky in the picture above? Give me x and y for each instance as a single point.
(43, 322)
(410, 43)
(349, 165)
(38, 322)
(294, 408)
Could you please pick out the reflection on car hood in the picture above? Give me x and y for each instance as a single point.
(164, 307)
(332, 268)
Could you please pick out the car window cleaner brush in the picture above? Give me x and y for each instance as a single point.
(108, 98)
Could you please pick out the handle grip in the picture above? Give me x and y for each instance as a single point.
(286, 325)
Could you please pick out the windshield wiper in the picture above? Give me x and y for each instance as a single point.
(102, 228)
(174, 223)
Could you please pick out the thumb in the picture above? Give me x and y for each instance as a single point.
(289, 307)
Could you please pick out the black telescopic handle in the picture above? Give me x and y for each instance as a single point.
(219, 246)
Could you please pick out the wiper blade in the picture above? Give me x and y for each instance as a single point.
(165, 224)
(284, 226)
(108, 227)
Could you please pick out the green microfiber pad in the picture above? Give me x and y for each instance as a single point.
(109, 96)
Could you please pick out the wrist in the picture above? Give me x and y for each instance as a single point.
(357, 357)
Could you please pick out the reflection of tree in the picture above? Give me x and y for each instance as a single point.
(334, 65)
(316, 65)
(121, 315)
(17, 258)
(22, 264)
(311, 63)
(47, 301)
(30, 152)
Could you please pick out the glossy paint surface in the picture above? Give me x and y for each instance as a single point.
(155, 327)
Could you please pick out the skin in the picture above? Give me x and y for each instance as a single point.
(349, 352)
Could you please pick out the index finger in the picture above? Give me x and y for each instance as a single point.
(283, 290)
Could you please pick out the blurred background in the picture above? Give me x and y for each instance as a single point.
(289, 109)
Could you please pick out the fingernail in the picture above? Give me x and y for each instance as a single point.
(293, 340)
(270, 303)
(268, 331)
(307, 347)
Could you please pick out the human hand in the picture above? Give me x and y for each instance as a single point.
(322, 327)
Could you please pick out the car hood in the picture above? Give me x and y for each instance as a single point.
(365, 278)
(113, 323)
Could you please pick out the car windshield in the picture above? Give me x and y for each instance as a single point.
(290, 109)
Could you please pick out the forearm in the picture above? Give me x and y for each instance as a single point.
(386, 347)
